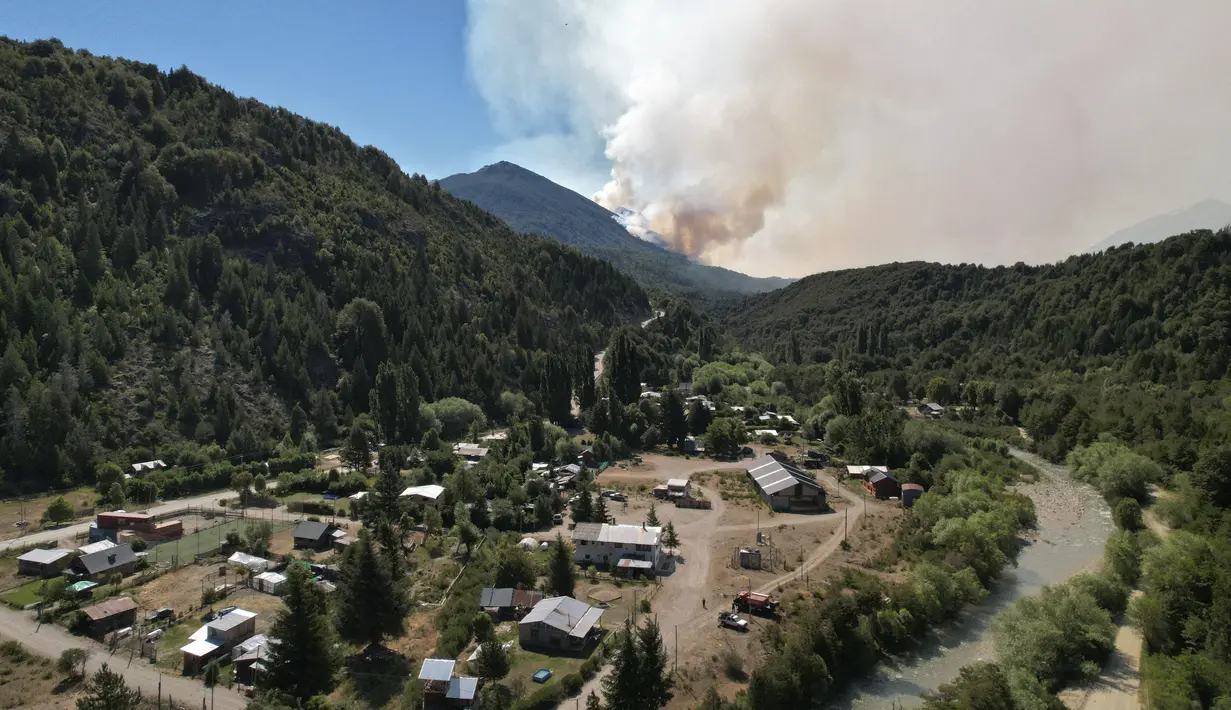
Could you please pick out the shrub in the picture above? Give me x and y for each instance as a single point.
(571, 684)
(1127, 515)
(733, 664)
(139, 545)
(644, 606)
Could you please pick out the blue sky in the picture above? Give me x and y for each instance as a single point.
(389, 74)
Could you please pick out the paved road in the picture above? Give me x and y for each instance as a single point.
(51, 641)
(69, 531)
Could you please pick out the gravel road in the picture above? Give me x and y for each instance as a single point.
(50, 641)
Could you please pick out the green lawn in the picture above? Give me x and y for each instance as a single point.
(205, 541)
(172, 640)
(23, 595)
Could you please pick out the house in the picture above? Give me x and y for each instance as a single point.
(442, 688)
(882, 484)
(117, 520)
(678, 488)
(97, 566)
(358, 496)
(114, 613)
(863, 472)
(495, 436)
(690, 445)
(587, 457)
(650, 394)
(763, 433)
(508, 602)
(931, 410)
(470, 452)
(269, 582)
(560, 623)
(785, 487)
(148, 467)
(313, 535)
(910, 493)
(250, 659)
(217, 637)
(606, 544)
(44, 563)
(254, 564)
(428, 495)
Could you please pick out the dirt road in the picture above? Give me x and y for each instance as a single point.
(1118, 685)
(51, 641)
(678, 607)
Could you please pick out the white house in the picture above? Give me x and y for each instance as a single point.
(604, 544)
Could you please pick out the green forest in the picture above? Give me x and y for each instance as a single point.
(192, 276)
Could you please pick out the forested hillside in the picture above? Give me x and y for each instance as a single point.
(533, 204)
(182, 269)
(1134, 341)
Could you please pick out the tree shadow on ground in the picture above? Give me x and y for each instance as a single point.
(378, 675)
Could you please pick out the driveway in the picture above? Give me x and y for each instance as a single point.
(51, 641)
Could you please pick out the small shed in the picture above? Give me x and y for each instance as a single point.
(750, 559)
(678, 488)
(269, 582)
(44, 563)
(630, 567)
(910, 493)
(882, 484)
(114, 613)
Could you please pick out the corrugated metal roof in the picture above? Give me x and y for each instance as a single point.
(431, 491)
(677, 482)
(43, 556)
(436, 669)
(111, 607)
(773, 476)
(110, 558)
(310, 530)
(462, 688)
(96, 547)
(587, 622)
(624, 534)
(491, 597)
(230, 621)
(563, 613)
(200, 648)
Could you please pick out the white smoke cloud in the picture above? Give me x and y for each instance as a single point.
(792, 136)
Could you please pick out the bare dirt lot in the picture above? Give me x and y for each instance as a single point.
(13, 511)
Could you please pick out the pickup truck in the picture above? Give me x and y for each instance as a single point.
(732, 620)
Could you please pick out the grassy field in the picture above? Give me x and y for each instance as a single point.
(205, 541)
(27, 680)
(21, 596)
(12, 511)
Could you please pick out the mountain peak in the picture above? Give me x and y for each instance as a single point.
(1206, 214)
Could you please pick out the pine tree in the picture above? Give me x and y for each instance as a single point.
(357, 452)
(600, 510)
(107, 690)
(669, 537)
(562, 574)
(493, 661)
(699, 418)
(622, 686)
(371, 607)
(655, 682)
(675, 420)
(651, 517)
(304, 661)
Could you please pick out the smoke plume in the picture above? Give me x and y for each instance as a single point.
(792, 136)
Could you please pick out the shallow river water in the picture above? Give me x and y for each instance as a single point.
(1073, 525)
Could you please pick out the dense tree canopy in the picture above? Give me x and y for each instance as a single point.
(182, 271)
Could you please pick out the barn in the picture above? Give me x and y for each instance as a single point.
(785, 487)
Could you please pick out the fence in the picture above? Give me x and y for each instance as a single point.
(700, 503)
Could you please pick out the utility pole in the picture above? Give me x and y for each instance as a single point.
(846, 516)
(675, 666)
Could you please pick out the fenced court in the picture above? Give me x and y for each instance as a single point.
(207, 541)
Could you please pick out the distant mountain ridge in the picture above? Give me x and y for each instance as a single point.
(1207, 214)
(532, 204)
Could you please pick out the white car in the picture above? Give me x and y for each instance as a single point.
(732, 620)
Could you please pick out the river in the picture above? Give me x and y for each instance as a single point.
(1073, 525)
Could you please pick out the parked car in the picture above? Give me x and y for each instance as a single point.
(609, 492)
(557, 519)
(164, 613)
(542, 675)
(618, 496)
(732, 620)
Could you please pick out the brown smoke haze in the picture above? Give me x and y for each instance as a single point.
(792, 136)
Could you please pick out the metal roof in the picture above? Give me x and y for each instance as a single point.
(431, 491)
(44, 556)
(773, 476)
(437, 669)
(499, 598)
(879, 476)
(310, 530)
(231, 620)
(200, 648)
(677, 482)
(863, 470)
(623, 534)
(96, 547)
(587, 622)
(111, 607)
(110, 558)
(250, 561)
(630, 563)
(462, 688)
(564, 613)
